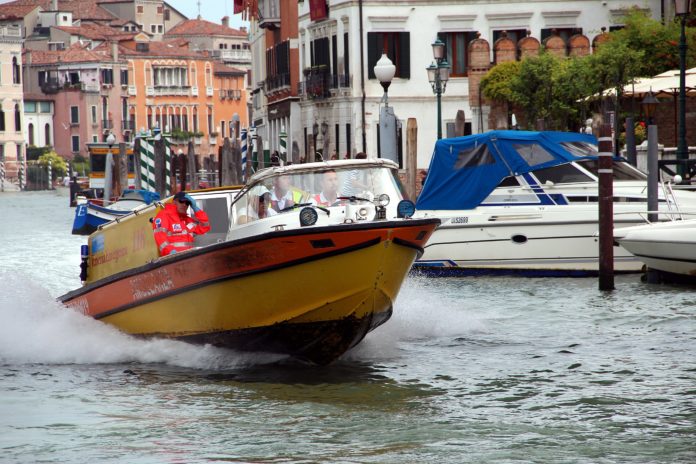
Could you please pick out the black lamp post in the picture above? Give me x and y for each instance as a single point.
(682, 9)
(438, 75)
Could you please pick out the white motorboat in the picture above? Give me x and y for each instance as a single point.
(526, 203)
(665, 246)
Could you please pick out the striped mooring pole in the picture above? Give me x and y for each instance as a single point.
(147, 165)
(21, 172)
(49, 170)
(606, 209)
(2, 176)
(283, 146)
(244, 153)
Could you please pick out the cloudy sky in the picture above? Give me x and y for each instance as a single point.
(212, 10)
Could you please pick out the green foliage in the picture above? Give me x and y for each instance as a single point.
(658, 42)
(34, 153)
(559, 90)
(181, 135)
(58, 165)
(496, 84)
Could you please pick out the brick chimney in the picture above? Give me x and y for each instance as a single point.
(226, 21)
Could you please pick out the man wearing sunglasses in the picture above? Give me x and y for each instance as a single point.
(175, 231)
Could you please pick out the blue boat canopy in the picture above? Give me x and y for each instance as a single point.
(465, 170)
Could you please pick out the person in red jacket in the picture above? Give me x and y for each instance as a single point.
(174, 229)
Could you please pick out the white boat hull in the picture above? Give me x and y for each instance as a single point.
(668, 249)
(545, 240)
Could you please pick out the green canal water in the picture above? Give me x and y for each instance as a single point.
(472, 370)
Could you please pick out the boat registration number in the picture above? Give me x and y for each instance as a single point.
(459, 220)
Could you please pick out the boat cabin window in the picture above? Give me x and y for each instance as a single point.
(289, 191)
(622, 170)
(580, 149)
(217, 211)
(533, 153)
(561, 174)
(474, 156)
(510, 181)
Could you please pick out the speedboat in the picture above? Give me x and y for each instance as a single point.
(90, 215)
(309, 279)
(668, 247)
(517, 202)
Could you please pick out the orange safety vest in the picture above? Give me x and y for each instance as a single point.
(175, 232)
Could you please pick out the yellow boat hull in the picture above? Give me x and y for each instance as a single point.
(310, 294)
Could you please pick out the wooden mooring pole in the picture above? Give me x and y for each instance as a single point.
(606, 210)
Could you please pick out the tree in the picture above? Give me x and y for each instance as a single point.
(58, 165)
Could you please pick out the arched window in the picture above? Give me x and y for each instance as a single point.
(148, 74)
(31, 134)
(16, 74)
(18, 118)
(194, 75)
(208, 75)
(47, 134)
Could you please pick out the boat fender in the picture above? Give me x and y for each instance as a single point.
(84, 262)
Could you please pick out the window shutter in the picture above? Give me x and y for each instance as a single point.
(404, 70)
(373, 53)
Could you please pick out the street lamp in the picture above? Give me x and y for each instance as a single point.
(682, 9)
(649, 104)
(438, 75)
(385, 71)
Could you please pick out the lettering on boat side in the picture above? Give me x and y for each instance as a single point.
(459, 220)
(151, 284)
(109, 256)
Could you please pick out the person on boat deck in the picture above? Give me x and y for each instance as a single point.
(329, 189)
(174, 229)
(259, 205)
(283, 195)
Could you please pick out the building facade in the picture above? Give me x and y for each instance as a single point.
(340, 42)
(179, 90)
(12, 146)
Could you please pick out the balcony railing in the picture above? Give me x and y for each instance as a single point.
(269, 14)
(194, 91)
(241, 56)
(128, 125)
(50, 85)
(107, 124)
(150, 91)
(318, 84)
(208, 91)
(132, 90)
(277, 82)
(171, 90)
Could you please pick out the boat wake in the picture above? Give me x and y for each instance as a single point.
(426, 311)
(36, 329)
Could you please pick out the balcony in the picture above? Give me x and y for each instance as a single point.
(50, 86)
(208, 91)
(128, 125)
(107, 124)
(269, 14)
(132, 90)
(276, 82)
(149, 91)
(232, 56)
(171, 90)
(223, 94)
(319, 84)
(194, 91)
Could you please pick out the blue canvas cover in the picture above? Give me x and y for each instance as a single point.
(465, 170)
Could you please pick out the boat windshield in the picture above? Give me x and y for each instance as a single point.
(622, 170)
(286, 192)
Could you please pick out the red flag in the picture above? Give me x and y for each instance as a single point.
(238, 6)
